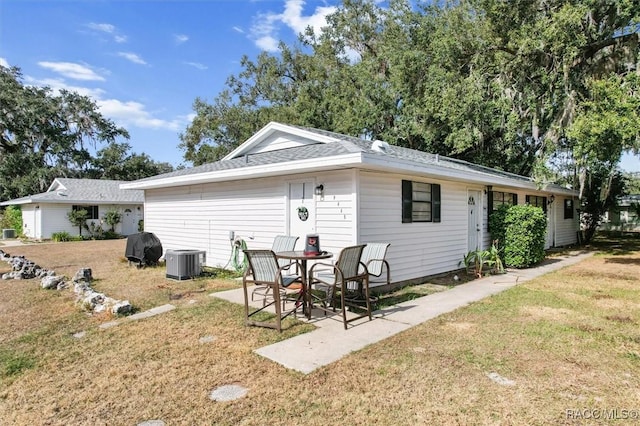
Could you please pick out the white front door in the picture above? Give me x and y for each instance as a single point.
(129, 222)
(551, 225)
(473, 204)
(302, 211)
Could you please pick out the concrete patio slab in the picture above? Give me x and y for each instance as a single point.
(330, 341)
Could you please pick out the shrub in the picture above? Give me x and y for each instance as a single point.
(78, 218)
(61, 236)
(497, 227)
(112, 218)
(525, 234)
(110, 235)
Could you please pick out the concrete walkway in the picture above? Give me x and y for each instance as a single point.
(330, 341)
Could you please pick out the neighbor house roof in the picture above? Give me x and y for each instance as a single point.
(83, 191)
(279, 149)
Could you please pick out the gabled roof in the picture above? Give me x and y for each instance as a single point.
(83, 191)
(280, 149)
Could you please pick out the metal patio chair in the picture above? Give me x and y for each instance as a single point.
(265, 271)
(280, 243)
(374, 258)
(347, 280)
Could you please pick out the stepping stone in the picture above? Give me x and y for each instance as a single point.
(79, 334)
(228, 393)
(207, 339)
(501, 380)
(151, 423)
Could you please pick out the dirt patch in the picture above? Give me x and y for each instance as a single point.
(620, 318)
(547, 313)
(461, 326)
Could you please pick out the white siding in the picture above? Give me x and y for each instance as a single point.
(566, 229)
(417, 249)
(45, 220)
(200, 216)
(337, 210)
(54, 219)
(29, 221)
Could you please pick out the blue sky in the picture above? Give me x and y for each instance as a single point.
(145, 61)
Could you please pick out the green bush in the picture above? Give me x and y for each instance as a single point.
(497, 227)
(12, 219)
(525, 235)
(112, 218)
(61, 236)
(110, 235)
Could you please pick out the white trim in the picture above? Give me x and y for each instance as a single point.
(252, 172)
(271, 128)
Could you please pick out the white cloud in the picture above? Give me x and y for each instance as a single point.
(267, 43)
(72, 70)
(107, 29)
(293, 18)
(237, 29)
(197, 65)
(264, 31)
(132, 57)
(180, 38)
(57, 84)
(135, 114)
(4, 62)
(126, 114)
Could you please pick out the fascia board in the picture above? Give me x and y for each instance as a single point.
(252, 172)
(16, 202)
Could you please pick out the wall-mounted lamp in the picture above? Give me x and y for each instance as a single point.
(37, 207)
(552, 198)
(319, 190)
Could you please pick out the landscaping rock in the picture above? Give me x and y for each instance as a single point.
(83, 274)
(228, 393)
(122, 308)
(52, 282)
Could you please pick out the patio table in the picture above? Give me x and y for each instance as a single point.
(302, 258)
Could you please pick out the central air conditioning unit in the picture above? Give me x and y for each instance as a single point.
(184, 264)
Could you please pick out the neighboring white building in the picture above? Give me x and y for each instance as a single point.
(46, 213)
(624, 216)
(298, 181)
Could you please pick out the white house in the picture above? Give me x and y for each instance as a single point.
(46, 213)
(292, 180)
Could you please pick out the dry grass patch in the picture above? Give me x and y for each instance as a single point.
(561, 352)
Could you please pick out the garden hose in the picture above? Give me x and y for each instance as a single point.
(237, 253)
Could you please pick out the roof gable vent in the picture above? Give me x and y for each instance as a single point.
(380, 146)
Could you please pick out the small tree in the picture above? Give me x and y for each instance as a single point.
(12, 219)
(78, 218)
(112, 218)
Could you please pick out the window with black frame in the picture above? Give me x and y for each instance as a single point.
(498, 199)
(537, 201)
(568, 208)
(420, 202)
(92, 211)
